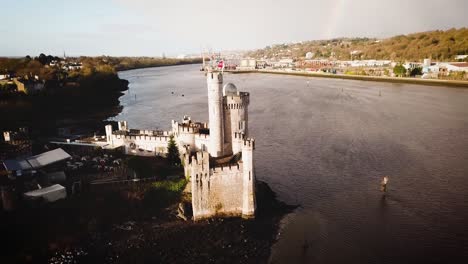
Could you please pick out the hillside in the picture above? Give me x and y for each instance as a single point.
(438, 45)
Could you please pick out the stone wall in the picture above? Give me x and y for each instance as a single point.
(227, 190)
(217, 192)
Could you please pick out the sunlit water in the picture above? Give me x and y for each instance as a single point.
(326, 144)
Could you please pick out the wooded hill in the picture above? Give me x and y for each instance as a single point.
(439, 45)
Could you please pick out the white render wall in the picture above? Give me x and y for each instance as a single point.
(152, 145)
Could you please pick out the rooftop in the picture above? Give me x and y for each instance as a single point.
(460, 64)
(37, 161)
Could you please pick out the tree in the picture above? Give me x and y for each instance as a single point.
(399, 70)
(172, 152)
(416, 71)
(42, 59)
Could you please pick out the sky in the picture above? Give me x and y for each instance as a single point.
(173, 27)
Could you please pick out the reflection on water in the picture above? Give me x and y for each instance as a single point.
(326, 144)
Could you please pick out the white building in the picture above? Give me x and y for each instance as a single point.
(369, 63)
(456, 66)
(309, 55)
(461, 57)
(247, 64)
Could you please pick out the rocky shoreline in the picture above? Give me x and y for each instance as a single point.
(101, 226)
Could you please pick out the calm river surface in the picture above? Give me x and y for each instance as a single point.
(326, 144)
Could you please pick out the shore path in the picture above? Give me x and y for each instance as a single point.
(452, 83)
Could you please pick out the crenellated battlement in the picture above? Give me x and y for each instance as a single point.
(239, 136)
(164, 138)
(248, 143)
(235, 106)
(229, 168)
(239, 101)
(214, 76)
(137, 132)
(201, 158)
(203, 136)
(187, 126)
(186, 129)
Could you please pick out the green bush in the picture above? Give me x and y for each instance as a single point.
(164, 193)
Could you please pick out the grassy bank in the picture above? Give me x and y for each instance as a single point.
(459, 84)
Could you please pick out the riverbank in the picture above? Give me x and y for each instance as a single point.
(107, 225)
(83, 106)
(451, 83)
(135, 64)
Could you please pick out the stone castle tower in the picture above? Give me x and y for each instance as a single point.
(218, 157)
(215, 113)
(222, 178)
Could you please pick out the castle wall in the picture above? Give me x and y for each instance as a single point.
(142, 145)
(223, 191)
(217, 192)
(237, 142)
(186, 138)
(202, 142)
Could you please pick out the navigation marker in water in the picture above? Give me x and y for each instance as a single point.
(383, 184)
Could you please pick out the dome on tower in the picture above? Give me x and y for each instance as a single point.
(229, 89)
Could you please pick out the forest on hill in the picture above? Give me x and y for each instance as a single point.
(439, 45)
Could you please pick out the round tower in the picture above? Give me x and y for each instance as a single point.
(215, 113)
(248, 182)
(109, 134)
(236, 116)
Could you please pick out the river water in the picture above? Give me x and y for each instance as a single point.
(325, 144)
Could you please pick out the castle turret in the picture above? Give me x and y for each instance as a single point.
(6, 136)
(248, 182)
(109, 134)
(216, 114)
(235, 117)
(123, 125)
(200, 181)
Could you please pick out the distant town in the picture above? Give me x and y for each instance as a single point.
(427, 55)
(428, 69)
